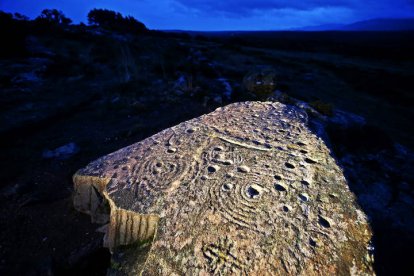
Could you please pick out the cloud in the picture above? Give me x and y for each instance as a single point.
(248, 7)
(226, 14)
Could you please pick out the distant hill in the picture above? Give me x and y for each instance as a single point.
(325, 27)
(380, 24)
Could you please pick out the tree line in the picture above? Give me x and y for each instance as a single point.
(103, 18)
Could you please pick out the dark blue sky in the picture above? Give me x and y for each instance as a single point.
(227, 14)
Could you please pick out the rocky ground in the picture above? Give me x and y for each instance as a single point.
(80, 94)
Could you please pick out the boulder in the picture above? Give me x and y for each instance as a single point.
(247, 189)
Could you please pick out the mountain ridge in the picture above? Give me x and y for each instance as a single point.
(377, 24)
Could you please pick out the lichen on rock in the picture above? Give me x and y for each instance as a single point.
(246, 189)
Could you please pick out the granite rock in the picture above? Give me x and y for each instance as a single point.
(246, 190)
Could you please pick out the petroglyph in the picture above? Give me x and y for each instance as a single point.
(246, 189)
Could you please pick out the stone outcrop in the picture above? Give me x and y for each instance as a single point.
(246, 189)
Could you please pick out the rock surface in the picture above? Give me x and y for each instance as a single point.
(246, 189)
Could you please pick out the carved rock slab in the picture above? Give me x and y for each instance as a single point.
(246, 189)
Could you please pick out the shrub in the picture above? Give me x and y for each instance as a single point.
(112, 20)
(14, 30)
(322, 107)
(61, 67)
(261, 81)
(358, 139)
(286, 99)
(53, 17)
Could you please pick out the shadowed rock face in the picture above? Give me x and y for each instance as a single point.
(246, 189)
